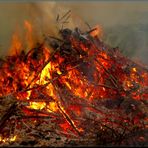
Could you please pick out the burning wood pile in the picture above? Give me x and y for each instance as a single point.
(77, 92)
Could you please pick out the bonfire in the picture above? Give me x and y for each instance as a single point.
(77, 91)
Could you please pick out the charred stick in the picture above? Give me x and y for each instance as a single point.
(56, 38)
(57, 19)
(115, 132)
(121, 137)
(65, 15)
(88, 25)
(106, 86)
(65, 22)
(88, 32)
(118, 124)
(7, 115)
(37, 117)
(68, 16)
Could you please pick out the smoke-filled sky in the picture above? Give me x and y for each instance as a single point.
(125, 24)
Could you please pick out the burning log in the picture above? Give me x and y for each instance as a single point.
(82, 88)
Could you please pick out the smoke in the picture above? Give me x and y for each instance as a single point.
(124, 23)
(41, 15)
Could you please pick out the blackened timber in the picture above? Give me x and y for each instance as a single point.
(7, 115)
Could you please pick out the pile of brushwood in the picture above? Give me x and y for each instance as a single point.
(91, 95)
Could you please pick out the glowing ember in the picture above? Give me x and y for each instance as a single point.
(11, 139)
(52, 107)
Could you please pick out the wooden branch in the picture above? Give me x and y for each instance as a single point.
(88, 25)
(65, 15)
(55, 38)
(113, 80)
(67, 117)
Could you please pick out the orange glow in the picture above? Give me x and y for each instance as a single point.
(134, 69)
(52, 107)
(29, 35)
(11, 139)
(65, 126)
(97, 32)
(16, 44)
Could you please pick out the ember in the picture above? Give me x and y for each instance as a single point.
(79, 89)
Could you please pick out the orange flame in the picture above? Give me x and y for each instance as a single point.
(16, 44)
(29, 35)
(98, 31)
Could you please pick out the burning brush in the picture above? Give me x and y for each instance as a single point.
(77, 92)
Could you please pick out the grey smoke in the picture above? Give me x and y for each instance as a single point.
(125, 24)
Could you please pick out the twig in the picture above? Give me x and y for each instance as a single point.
(115, 132)
(65, 15)
(56, 38)
(88, 32)
(37, 117)
(57, 19)
(103, 85)
(88, 25)
(67, 117)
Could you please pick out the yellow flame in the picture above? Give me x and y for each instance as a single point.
(68, 85)
(11, 139)
(59, 72)
(45, 74)
(37, 105)
(52, 107)
(45, 78)
(129, 84)
(28, 95)
(134, 69)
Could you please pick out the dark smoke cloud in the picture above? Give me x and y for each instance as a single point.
(124, 23)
